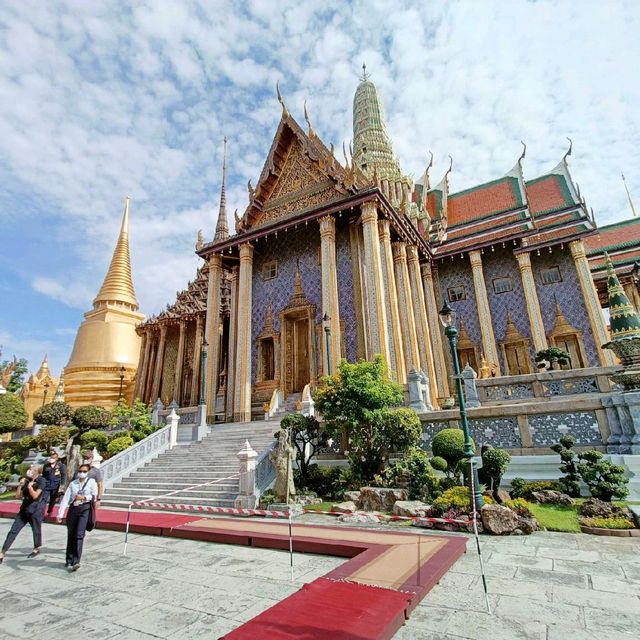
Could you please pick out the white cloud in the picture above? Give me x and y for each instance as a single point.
(100, 100)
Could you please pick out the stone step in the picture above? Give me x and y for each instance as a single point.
(165, 486)
(124, 504)
(183, 496)
(223, 500)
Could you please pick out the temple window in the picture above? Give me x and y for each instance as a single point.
(270, 270)
(502, 285)
(551, 275)
(568, 338)
(268, 359)
(456, 293)
(515, 350)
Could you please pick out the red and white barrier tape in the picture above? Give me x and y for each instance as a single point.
(392, 517)
(193, 486)
(206, 509)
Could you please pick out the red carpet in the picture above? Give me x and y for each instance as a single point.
(347, 603)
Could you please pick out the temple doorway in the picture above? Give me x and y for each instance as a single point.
(300, 355)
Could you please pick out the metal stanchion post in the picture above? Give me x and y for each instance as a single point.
(475, 531)
(290, 545)
(126, 531)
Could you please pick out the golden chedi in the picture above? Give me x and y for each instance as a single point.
(39, 389)
(107, 345)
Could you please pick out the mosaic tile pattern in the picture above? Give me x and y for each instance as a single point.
(499, 432)
(429, 429)
(345, 289)
(568, 293)
(570, 387)
(287, 248)
(510, 391)
(501, 263)
(546, 429)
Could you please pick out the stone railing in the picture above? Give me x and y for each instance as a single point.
(265, 471)
(134, 457)
(544, 385)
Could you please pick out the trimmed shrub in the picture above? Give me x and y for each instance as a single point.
(438, 463)
(53, 413)
(494, 465)
(94, 438)
(91, 417)
(449, 444)
(51, 437)
(119, 444)
(13, 415)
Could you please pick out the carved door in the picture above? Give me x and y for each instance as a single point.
(570, 345)
(300, 354)
(467, 357)
(518, 362)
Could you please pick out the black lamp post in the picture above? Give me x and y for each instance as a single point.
(327, 333)
(203, 369)
(46, 390)
(448, 319)
(122, 371)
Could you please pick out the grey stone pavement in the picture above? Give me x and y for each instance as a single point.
(547, 586)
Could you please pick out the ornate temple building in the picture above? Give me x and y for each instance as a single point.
(351, 259)
(41, 388)
(104, 359)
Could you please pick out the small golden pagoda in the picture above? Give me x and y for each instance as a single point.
(39, 389)
(107, 345)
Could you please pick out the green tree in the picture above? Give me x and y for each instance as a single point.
(358, 402)
(306, 437)
(136, 417)
(605, 480)
(53, 413)
(449, 444)
(13, 415)
(570, 481)
(53, 436)
(90, 417)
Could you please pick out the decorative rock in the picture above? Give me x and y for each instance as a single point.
(380, 499)
(499, 520)
(527, 525)
(344, 507)
(411, 508)
(552, 497)
(354, 496)
(595, 508)
(503, 495)
(359, 517)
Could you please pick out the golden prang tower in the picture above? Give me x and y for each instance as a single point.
(106, 344)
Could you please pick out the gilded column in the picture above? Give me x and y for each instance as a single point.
(197, 353)
(330, 303)
(177, 379)
(148, 381)
(405, 300)
(435, 332)
(242, 391)
(533, 304)
(212, 330)
(374, 282)
(141, 374)
(484, 312)
(395, 333)
(420, 313)
(591, 302)
(233, 323)
(157, 375)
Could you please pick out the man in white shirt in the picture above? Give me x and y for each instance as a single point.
(79, 498)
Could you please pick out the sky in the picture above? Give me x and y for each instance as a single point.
(99, 100)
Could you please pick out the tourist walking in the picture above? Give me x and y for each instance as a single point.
(80, 497)
(53, 472)
(31, 490)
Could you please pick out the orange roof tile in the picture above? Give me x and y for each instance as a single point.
(548, 193)
(620, 234)
(478, 202)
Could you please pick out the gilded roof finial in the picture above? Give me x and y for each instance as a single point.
(365, 76)
(222, 226)
(633, 209)
(568, 153)
(285, 113)
(450, 169)
(250, 190)
(306, 117)
(199, 240)
(524, 151)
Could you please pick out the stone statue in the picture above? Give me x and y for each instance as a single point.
(282, 458)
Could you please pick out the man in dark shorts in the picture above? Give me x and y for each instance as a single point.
(53, 472)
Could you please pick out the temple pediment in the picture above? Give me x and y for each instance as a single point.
(300, 173)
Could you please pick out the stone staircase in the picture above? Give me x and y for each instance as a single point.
(195, 463)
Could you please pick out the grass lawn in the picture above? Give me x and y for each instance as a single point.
(555, 517)
(323, 506)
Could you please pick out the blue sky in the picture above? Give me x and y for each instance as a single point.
(103, 99)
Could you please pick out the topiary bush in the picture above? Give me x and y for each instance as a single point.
(13, 416)
(605, 480)
(91, 417)
(119, 444)
(438, 463)
(136, 417)
(570, 482)
(449, 444)
(53, 413)
(494, 465)
(94, 438)
(50, 437)
(25, 445)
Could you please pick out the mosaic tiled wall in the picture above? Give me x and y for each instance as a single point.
(546, 429)
(568, 293)
(345, 289)
(501, 263)
(498, 432)
(169, 365)
(302, 244)
(457, 272)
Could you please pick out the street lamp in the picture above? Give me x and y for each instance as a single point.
(46, 390)
(448, 319)
(203, 369)
(122, 371)
(327, 333)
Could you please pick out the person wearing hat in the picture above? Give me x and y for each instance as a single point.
(80, 498)
(53, 472)
(31, 490)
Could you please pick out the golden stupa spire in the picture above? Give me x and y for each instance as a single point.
(222, 227)
(118, 284)
(44, 368)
